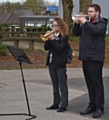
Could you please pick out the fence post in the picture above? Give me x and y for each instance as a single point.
(16, 43)
(31, 44)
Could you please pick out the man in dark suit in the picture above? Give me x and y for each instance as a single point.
(92, 52)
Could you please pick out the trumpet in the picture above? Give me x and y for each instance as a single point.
(44, 37)
(75, 16)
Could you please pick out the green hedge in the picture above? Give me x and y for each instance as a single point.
(3, 49)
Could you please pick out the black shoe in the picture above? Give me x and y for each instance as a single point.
(61, 109)
(97, 113)
(87, 111)
(53, 107)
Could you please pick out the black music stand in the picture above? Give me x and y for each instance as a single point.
(20, 56)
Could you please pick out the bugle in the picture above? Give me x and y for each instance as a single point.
(75, 16)
(44, 37)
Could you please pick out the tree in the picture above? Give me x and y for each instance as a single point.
(67, 12)
(9, 6)
(84, 4)
(35, 6)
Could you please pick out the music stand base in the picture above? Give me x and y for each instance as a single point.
(13, 114)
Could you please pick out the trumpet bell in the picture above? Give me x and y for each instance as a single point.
(43, 37)
(73, 18)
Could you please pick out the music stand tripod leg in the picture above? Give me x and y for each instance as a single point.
(20, 63)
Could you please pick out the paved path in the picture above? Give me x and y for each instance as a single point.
(39, 89)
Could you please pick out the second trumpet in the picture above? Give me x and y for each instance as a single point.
(75, 16)
(44, 37)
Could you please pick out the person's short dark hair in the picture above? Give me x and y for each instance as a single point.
(96, 7)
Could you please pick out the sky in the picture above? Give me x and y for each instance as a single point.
(11, 0)
(24, 0)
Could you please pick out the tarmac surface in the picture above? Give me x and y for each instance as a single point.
(13, 105)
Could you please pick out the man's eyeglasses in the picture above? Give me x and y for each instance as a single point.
(91, 11)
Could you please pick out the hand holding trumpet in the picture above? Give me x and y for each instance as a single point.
(82, 20)
(50, 36)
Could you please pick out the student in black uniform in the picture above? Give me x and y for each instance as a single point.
(57, 47)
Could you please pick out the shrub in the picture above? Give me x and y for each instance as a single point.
(3, 49)
(45, 28)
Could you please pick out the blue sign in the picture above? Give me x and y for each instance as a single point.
(52, 8)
